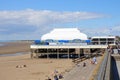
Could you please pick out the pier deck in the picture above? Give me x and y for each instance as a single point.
(81, 73)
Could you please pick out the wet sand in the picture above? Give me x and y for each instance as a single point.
(12, 67)
(14, 47)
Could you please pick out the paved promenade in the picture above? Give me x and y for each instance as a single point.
(81, 73)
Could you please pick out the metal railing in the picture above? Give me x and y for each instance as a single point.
(105, 68)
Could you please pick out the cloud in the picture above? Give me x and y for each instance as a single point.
(103, 31)
(37, 22)
(43, 17)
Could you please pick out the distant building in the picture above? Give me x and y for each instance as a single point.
(103, 40)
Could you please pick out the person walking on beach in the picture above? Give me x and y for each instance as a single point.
(56, 77)
(49, 78)
(84, 64)
(60, 76)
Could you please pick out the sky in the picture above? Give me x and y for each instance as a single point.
(30, 19)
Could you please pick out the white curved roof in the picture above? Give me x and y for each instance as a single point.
(64, 34)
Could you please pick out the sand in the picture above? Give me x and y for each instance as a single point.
(11, 67)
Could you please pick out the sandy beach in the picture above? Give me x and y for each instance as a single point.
(12, 67)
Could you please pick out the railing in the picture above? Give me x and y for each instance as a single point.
(108, 67)
(104, 70)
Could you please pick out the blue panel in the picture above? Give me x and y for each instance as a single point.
(88, 41)
(64, 41)
(49, 40)
(37, 41)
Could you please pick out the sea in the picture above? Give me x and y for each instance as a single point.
(3, 41)
(7, 40)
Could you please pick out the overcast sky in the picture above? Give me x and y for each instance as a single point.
(30, 19)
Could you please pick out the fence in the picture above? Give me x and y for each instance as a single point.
(105, 68)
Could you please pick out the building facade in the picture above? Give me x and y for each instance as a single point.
(103, 40)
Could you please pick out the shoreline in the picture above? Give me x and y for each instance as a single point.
(14, 47)
(14, 54)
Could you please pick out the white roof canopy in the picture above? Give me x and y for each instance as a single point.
(64, 34)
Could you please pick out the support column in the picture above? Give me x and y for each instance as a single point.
(99, 42)
(47, 53)
(79, 53)
(90, 52)
(36, 53)
(68, 53)
(106, 40)
(57, 54)
(31, 54)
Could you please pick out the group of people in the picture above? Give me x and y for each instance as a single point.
(94, 60)
(114, 50)
(56, 76)
(21, 66)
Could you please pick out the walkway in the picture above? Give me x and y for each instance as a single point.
(81, 73)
